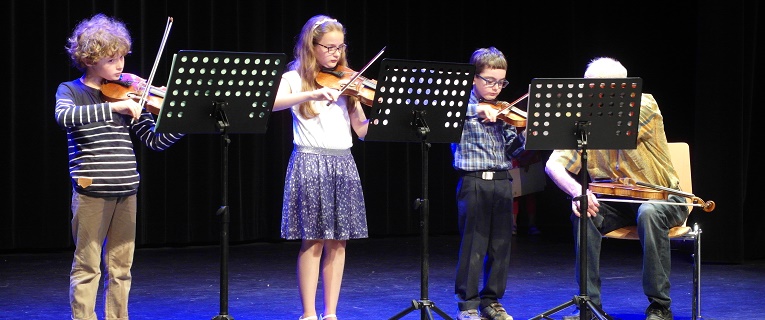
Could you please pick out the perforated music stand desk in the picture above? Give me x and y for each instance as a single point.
(579, 114)
(609, 108)
(242, 83)
(221, 92)
(409, 95)
(409, 91)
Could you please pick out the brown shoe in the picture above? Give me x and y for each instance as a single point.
(658, 313)
(495, 311)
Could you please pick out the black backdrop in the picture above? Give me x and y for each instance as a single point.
(699, 59)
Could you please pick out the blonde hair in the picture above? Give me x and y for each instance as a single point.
(605, 67)
(488, 58)
(97, 38)
(305, 56)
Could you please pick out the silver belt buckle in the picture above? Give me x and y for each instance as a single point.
(487, 175)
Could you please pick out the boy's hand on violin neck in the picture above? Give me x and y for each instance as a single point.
(127, 107)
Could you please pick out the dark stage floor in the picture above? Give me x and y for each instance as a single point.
(382, 278)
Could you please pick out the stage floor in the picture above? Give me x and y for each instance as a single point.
(382, 278)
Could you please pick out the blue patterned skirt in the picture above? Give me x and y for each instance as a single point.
(322, 196)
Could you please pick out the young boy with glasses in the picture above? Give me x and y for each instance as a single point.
(483, 158)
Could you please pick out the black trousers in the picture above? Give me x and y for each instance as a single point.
(485, 218)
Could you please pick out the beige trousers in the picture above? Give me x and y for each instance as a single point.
(102, 226)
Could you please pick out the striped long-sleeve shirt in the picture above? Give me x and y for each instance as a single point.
(102, 161)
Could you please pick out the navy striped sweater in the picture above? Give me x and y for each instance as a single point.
(102, 160)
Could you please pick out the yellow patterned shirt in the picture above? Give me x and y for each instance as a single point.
(650, 162)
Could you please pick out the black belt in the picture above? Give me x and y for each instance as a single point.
(489, 175)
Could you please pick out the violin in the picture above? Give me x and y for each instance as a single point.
(644, 191)
(361, 88)
(130, 86)
(507, 112)
(626, 191)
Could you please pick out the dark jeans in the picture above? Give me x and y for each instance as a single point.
(653, 222)
(485, 218)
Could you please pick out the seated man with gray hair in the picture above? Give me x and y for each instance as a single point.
(650, 163)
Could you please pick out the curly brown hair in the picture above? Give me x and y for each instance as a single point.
(97, 38)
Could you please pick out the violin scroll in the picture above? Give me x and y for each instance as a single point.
(707, 206)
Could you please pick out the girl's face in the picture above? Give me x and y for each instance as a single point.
(495, 76)
(109, 68)
(329, 49)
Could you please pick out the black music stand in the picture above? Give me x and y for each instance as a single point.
(220, 93)
(573, 113)
(408, 95)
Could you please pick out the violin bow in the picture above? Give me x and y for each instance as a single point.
(652, 201)
(516, 110)
(358, 74)
(145, 94)
(630, 181)
(707, 206)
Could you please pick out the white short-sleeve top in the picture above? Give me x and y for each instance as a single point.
(330, 129)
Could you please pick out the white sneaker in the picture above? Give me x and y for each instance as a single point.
(471, 314)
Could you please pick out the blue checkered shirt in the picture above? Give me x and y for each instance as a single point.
(486, 145)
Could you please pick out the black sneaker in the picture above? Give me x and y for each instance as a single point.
(495, 311)
(658, 313)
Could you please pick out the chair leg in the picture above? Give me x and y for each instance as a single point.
(696, 308)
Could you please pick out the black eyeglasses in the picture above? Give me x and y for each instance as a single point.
(332, 50)
(491, 82)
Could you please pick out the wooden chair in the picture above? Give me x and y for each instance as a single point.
(681, 160)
